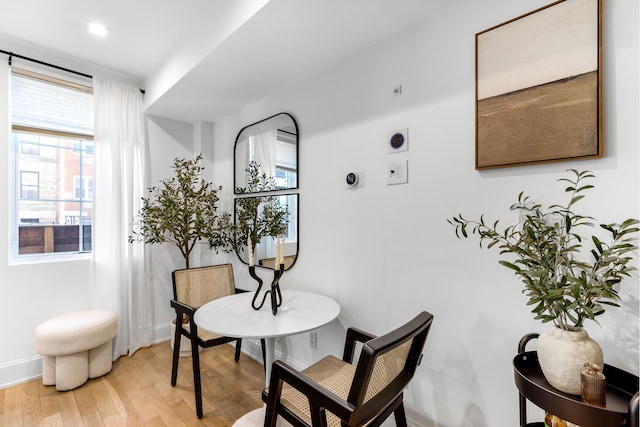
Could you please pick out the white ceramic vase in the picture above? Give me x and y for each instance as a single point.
(562, 354)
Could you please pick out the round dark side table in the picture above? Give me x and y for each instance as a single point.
(623, 398)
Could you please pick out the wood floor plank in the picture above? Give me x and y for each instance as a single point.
(2, 392)
(140, 400)
(13, 405)
(121, 400)
(155, 422)
(50, 406)
(187, 414)
(156, 405)
(114, 420)
(69, 409)
(46, 390)
(87, 405)
(161, 374)
(120, 367)
(54, 420)
(104, 402)
(155, 370)
(31, 409)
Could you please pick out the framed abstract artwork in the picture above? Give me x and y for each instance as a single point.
(538, 86)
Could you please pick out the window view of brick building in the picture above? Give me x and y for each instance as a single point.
(53, 145)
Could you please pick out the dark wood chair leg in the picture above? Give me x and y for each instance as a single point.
(238, 348)
(262, 345)
(176, 355)
(400, 416)
(271, 414)
(197, 385)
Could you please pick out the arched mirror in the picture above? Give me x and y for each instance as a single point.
(257, 216)
(272, 145)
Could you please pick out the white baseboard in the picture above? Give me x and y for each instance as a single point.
(20, 371)
(252, 348)
(161, 333)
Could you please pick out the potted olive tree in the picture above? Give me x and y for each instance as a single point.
(183, 210)
(565, 283)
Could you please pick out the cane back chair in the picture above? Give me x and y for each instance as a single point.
(337, 393)
(193, 288)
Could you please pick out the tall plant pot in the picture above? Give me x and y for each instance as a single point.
(562, 354)
(185, 344)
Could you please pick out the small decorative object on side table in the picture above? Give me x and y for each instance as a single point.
(593, 385)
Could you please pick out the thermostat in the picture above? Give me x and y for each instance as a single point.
(352, 179)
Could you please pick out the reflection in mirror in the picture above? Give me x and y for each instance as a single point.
(272, 144)
(264, 252)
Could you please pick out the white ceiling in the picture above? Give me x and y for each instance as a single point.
(203, 59)
(141, 32)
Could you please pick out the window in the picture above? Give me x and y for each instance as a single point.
(83, 187)
(52, 137)
(286, 167)
(29, 184)
(27, 148)
(287, 177)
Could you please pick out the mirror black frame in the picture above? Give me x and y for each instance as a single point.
(235, 154)
(291, 191)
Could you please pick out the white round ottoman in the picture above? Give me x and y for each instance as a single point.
(75, 346)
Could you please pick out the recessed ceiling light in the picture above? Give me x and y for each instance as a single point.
(97, 29)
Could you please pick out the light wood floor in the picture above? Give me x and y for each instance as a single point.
(138, 392)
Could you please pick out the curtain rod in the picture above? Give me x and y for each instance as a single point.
(26, 58)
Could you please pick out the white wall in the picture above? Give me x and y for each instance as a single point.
(386, 252)
(168, 139)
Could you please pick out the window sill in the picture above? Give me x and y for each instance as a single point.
(53, 258)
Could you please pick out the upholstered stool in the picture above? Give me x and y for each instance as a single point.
(76, 346)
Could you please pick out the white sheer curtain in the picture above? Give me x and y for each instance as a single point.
(263, 147)
(118, 267)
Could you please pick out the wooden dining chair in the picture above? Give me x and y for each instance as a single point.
(192, 288)
(334, 392)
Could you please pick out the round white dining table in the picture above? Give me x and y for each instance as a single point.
(233, 316)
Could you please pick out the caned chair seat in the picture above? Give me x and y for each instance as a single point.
(202, 334)
(331, 373)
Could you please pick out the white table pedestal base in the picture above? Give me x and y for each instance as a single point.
(255, 418)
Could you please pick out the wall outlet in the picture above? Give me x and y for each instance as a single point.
(313, 339)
